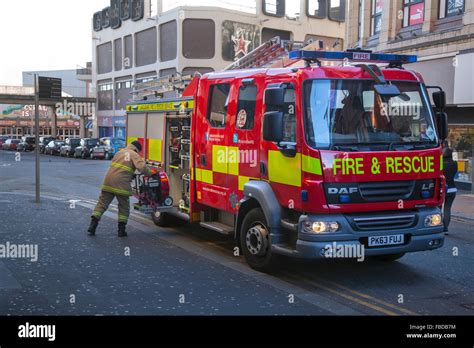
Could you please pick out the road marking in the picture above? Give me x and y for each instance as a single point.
(346, 296)
(368, 297)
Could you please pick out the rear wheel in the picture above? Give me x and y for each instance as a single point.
(389, 258)
(256, 243)
(160, 219)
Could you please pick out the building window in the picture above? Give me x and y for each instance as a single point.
(376, 17)
(337, 10)
(118, 54)
(276, 8)
(128, 50)
(317, 8)
(199, 38)
(246, 108)
(168, 41)
(413, 12)
(451, 8)
(219, 97)
(104, 58)
(146, 47)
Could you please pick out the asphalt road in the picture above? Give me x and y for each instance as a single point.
(187, 270)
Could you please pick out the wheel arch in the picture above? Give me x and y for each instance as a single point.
(259, 194)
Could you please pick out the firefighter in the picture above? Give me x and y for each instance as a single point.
(117, 184)
(450, 171)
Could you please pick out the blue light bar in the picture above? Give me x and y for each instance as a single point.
(361, 56)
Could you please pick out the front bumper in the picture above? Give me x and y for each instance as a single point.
(418, 237)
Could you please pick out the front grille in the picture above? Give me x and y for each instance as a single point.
(375, 223)
(386, 191)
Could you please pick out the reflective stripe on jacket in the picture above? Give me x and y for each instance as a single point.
(120, 175)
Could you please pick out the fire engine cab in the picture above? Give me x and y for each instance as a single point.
(292, 159)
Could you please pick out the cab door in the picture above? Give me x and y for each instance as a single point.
(245, 129)
(212, 143)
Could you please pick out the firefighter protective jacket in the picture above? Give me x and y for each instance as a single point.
(120, 175)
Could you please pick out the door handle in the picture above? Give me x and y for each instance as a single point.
(203, 161)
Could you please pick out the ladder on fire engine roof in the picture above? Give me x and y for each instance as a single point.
(171, 86)
(273, 54)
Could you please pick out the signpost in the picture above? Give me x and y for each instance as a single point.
(45, 88)
(38, 191)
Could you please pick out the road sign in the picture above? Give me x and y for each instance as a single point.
(49, 88)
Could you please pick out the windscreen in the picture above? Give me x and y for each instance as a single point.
(350, 112)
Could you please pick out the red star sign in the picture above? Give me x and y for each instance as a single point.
(241, 46)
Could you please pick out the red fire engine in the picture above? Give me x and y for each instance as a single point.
(290, 160)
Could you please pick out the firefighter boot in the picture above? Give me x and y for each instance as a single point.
(121, 229)
(93, 226)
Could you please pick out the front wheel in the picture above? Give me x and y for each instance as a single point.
(256, 242)
(389, 258)
(160, 219)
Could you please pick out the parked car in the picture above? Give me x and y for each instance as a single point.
(70, 147)
(54, 147)
(85, 149)
(108, 147)
(27, 144)
(3, 139)
(11, 144)
(44, 141)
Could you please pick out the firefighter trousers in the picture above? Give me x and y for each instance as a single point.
(106, 199)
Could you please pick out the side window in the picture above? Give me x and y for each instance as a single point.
(217, 113)
(289, 119)
(246, 108)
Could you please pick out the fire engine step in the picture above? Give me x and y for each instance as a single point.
(218, 227)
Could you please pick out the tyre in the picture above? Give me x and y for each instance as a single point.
(388, 258)
(160, 219)
(83, 155)
(255, 242)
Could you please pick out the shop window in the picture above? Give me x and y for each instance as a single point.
(219, 96)
(451, 8)
(413, 12)
(316, 8)
(246, 108)
(337, 10)
(376, 17)
(461, 140)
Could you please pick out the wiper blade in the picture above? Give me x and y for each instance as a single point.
(356, 145)
(414, 144)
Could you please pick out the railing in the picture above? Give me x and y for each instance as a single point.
(17, 90)
(84, 71)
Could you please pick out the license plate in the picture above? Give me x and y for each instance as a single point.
(398, 239)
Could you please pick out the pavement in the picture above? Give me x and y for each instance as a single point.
(463, 207)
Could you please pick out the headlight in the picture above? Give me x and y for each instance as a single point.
(433, 220)
(319, 227)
